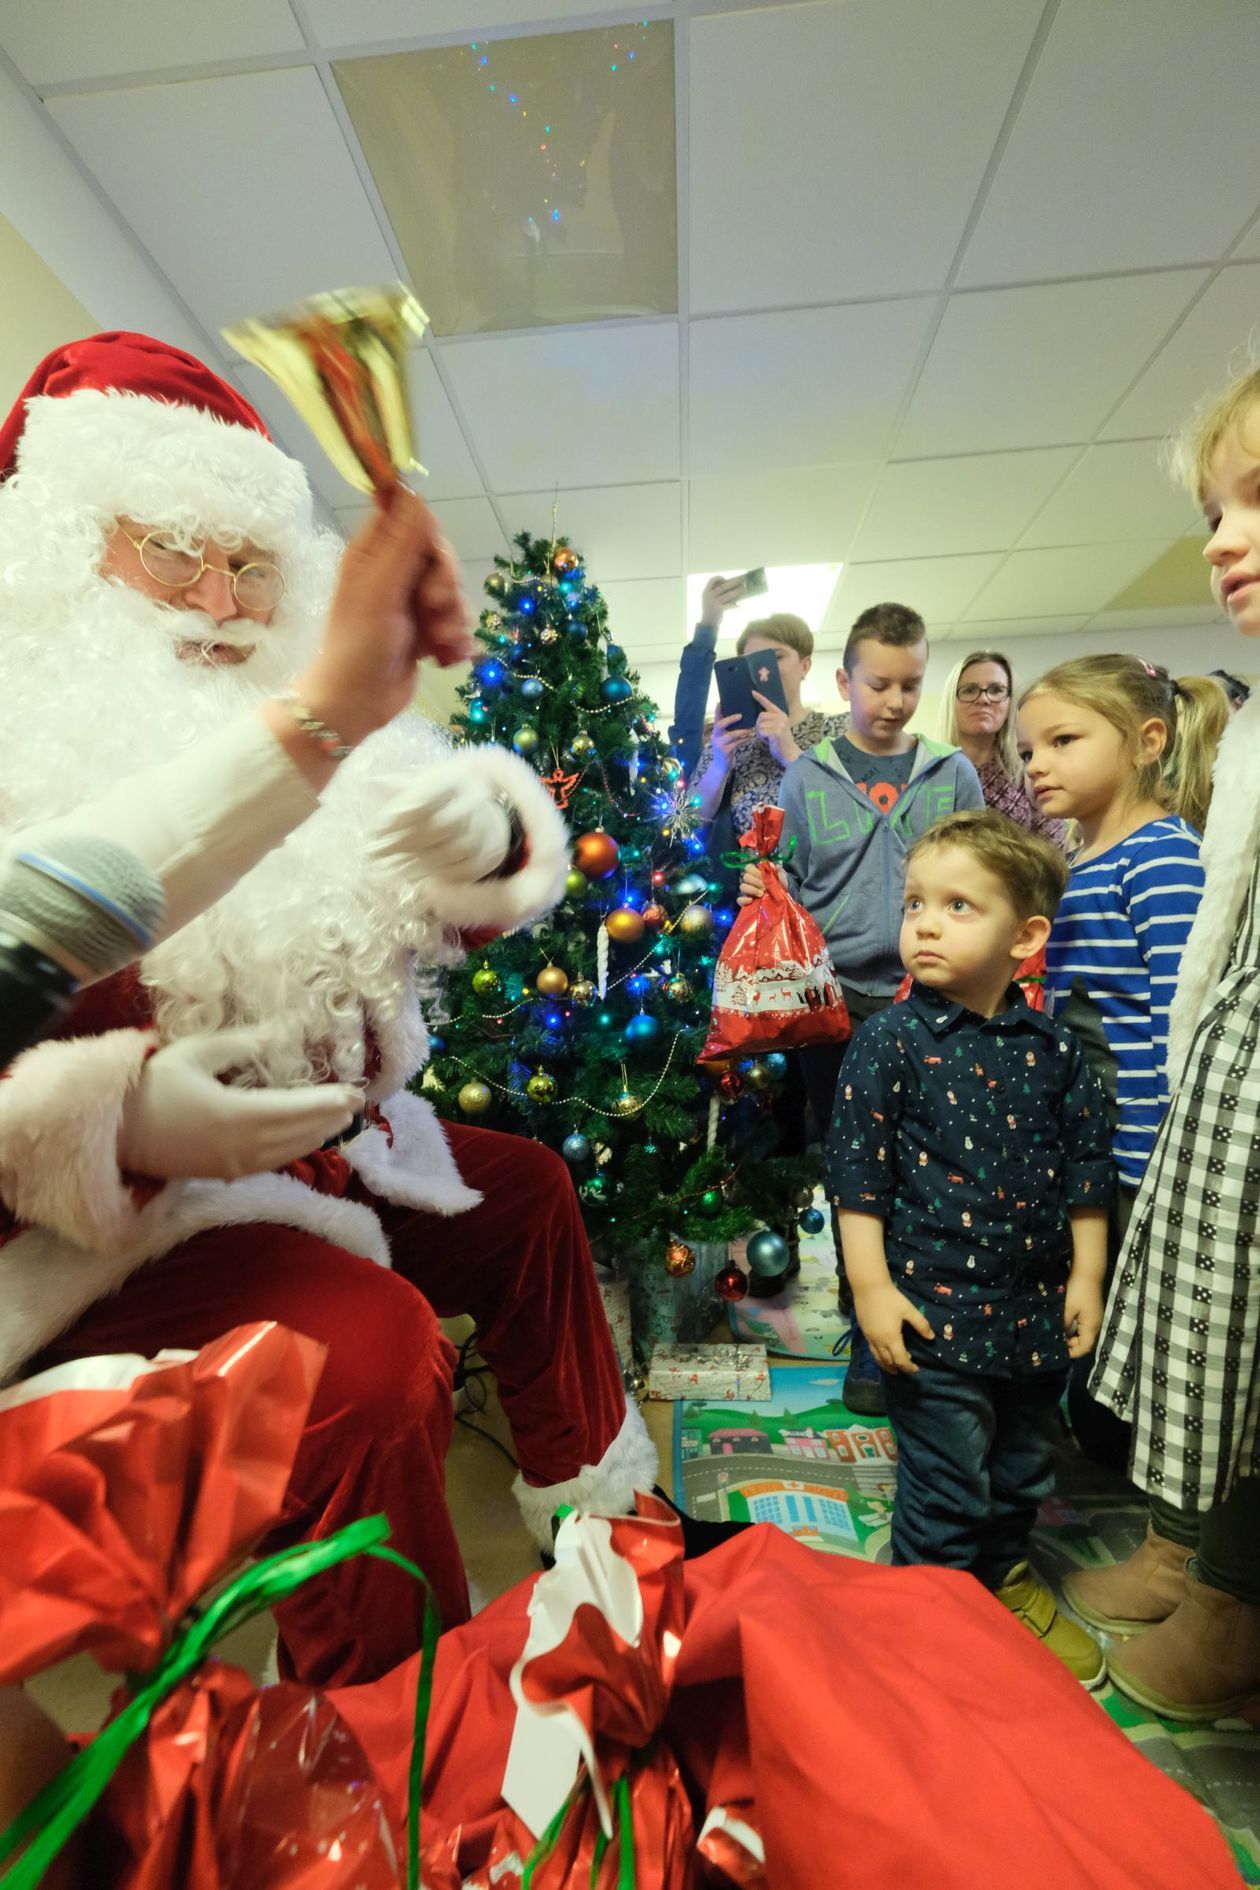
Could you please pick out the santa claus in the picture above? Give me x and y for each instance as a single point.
(179, 652)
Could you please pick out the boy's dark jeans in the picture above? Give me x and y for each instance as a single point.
(975, 1458)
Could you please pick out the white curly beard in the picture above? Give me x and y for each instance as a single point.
(312, 942)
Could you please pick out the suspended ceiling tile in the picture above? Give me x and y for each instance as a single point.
(938, 588)
(1038, 366)
(579, 408)
(1114, 492)
(1118, 157)
(646, 614)
(52, 41)
(338, 23)
(621, 531)
(806, 515)
(528, 181)
(932, 507)
(469, 524)
(242, 189)
(1249, 243)
(1177, 575)
(808, 387)
(441, 446)
(1074, 581)
(1156, 617)
(992, 633)
(1213, 344)
(798, 191)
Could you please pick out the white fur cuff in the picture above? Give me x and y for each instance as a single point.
(505, 904)
(60, 1109)
(605, 1488)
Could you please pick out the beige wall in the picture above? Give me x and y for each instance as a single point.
(39, 313)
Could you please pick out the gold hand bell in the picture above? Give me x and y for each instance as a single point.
(342, 360)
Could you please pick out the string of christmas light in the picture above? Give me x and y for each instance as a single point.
(579, 1102)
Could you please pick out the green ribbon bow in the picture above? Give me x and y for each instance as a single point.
(66, 1800)
(745, 856)
(623, 1835)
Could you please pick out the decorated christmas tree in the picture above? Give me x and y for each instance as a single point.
(584, 1030)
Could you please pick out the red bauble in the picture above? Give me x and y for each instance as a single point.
(731, 1283)
(731, 1085)
(596, 855)
(654, 917)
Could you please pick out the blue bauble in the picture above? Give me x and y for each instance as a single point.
(614, 689)
(577, 630)
(436, 1046)
(575, 1148)
(767, 1253)
(642, 1030)
(532, 688)
(812, 1221)
(776, 1063)
(614, 652)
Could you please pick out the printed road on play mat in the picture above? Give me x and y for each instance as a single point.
(808, 1465)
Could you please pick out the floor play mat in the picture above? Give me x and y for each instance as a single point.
(806, 1464)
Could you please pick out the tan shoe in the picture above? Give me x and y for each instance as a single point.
(1131, 1595)
(1202, 1663)
(1031, 1602)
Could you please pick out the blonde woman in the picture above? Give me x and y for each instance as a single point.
(978, 716)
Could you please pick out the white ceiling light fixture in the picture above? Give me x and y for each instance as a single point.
(803, 589)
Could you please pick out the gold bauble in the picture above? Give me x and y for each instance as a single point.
(758, 1078)
(582, 747)
(626, 1104)
(625, 925)
(678, 990)
(475, 1098)
(551, 980)
(582, 991)
(547, 635)
(680, 1259)
(696, 922)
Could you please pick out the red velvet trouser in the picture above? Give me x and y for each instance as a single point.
(519, 1263)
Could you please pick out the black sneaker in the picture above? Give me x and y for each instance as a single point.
(863, 1391)
(699, 1537)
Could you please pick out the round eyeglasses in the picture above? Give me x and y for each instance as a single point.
(991, 691)
(258, 585)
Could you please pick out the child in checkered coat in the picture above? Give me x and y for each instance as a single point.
(1179, 1351)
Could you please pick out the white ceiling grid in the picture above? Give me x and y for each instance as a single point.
(947, 275)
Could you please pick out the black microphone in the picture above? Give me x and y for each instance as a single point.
(72, 909)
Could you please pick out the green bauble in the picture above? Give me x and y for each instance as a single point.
(485, 982)
(710, 1201)
(541, 1087)
(581, 748)
(525, 740)
(575, 884)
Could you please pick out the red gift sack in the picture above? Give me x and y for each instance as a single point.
(773, 985)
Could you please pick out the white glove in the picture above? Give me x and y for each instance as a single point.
(178, 1121)
(442, 823)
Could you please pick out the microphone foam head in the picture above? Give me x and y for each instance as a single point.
(85, 900)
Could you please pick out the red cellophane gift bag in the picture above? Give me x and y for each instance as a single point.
(127, 1487)
(773, 985)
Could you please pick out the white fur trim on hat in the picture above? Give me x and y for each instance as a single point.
(116, 454)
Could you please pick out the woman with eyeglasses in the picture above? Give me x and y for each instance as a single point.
(978, 717)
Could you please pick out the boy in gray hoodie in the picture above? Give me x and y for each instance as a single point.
(854, 804)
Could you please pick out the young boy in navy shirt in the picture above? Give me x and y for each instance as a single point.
(970, 1163)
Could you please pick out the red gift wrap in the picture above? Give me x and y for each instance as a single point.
(773, 984)
(125, 1489)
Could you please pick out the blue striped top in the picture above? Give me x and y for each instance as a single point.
(1120, 931)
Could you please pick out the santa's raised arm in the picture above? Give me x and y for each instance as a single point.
(181, 654)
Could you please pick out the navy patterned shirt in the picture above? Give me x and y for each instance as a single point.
(971, 1138)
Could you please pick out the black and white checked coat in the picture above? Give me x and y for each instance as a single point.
(1182, 1334)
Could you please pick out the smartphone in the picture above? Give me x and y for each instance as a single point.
(738, 676)
(755, 584)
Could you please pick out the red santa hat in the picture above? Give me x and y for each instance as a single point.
(121, 425)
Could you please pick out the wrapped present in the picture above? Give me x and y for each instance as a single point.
(615, 1295)
(709, 1371)
(127, 1487)
(773, 985)
(665, 1307)
(1030, 977)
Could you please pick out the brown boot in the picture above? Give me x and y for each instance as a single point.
(1202, 1663)
(1131, 1595)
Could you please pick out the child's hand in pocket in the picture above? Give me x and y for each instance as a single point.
(881, 1314)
